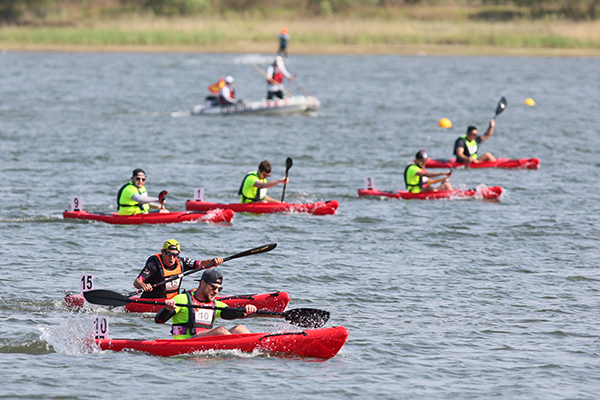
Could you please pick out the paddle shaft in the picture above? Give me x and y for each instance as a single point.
(256, 250)
(259, 69)
(304, 317)
(288, 165)
(300, 87)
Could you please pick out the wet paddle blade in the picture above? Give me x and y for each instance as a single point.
(106, 298)
(288, 164)
(307, 317)
(501, 106)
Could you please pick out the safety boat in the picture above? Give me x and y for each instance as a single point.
(276, 301)
(318, 208)
(518, 163)
(213, 216)
(319, 343)
(487, 193)
(289, 105)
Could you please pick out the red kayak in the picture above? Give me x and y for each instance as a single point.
(519, 163)
(320, 343)
(276, 301)
(487, 193)
(318, 208)
(216, 216)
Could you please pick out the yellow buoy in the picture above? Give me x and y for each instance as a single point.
(530, 102)
(445, 123)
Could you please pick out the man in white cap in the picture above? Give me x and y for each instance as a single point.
(275, 75)
(227, 93)
(417, 178)
(166, 264)
(189, 322)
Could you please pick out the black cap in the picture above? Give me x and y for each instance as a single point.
(212, 276)
(421, 155)
(137, 171)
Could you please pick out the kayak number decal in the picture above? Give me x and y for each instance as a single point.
(199, 194)
(76, 203)
(101, 327)
(86, 283)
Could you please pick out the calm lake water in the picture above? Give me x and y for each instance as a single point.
(443, 299)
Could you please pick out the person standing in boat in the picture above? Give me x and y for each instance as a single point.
(466, 146)
(190, 322)
(275, 75)
(254, 186)
(227, 93)
(132, 198)
(283, 37)
(417, 179)
(164, 265)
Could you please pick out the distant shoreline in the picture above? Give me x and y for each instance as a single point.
(305, 49)
(312, 36)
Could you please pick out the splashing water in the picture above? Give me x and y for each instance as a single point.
(73, 336)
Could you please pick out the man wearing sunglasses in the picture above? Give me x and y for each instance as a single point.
(254, 186)
(417, 179)
(191, 322)
(132, 197)
(164, 265)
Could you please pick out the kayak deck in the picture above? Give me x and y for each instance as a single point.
(214, 216)
(275, 301)
(517, 163)
(320, 343)
(319, 208)
(487, 193)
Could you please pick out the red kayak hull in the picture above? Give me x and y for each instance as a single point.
(216, 216)
(488, 193)
(318, 208)
(320, 343)
(518, 163)
(276, 301)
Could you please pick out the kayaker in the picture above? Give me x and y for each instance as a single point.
(254, 186)
(132, 198)
(191, 322)
(227, 93)
(275, 75)
(283, 37)
(466, 146)
(417, 179)
(163, 265)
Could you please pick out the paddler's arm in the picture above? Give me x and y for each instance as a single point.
(490, 130)
(433, 174)
(166, 313)
(460, 156)
(217, 261)
(238, 312)
(270, 184)
(140, 284)
(151, 201)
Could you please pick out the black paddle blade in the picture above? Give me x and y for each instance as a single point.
(501, 106)
(306, 317)
(106, 298)
(288, 164)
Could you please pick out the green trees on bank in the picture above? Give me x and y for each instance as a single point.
(26, 11)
